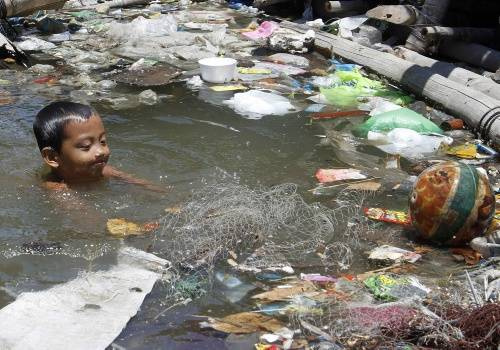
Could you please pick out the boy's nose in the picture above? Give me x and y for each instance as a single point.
(101, 152)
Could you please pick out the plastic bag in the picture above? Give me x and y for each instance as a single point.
(356, 78)
(142, 28)
(352, 85)
(344, 96)
(408, 143)
(390, 288)
(348, 24)
(31, 43)
(255, 104)
(265, 30)
(325, 82)
(400, 118)
(339, 66)
(378, 105)
(286, 58)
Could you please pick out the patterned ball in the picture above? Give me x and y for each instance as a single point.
(451, 203)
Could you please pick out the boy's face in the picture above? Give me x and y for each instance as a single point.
(84, 151)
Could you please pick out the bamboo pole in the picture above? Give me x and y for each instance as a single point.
(452, 72)
(346, 6)
(263, 3)
(432, 13)
(328, 9)
(397, 14)
(468, 34)
(476, 54)
(9, 8)
(478, 110)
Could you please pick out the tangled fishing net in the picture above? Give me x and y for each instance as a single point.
(392, 325)
(261, 228)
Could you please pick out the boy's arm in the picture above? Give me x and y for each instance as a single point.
(109, 171)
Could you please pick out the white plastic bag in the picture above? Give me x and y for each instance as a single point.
(142, 28)
(378, 105)
(408, 143)
(255, 104)
(286, 58)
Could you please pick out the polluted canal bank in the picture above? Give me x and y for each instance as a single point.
(311, 202)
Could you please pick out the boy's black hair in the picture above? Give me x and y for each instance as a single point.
(50, 121)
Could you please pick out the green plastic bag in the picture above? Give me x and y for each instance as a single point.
(395, 96)
(399, 118)
(344, 95)
(354, 85)
(359, 80)
(390, 288)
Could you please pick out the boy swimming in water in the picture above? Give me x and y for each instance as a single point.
(72, 141)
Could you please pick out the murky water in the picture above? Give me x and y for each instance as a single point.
(184, 143)
(174, 144)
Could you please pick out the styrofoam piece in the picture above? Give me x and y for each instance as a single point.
(86, 313)
(218, 69)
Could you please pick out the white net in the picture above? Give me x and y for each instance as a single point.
(261, 227)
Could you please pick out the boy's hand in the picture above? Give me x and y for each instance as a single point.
(55, 186)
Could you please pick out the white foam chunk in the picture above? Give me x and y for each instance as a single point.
(88, 312)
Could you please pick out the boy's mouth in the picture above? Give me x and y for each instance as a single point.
(99, 163)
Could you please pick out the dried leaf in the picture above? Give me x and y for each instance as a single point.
(46, 80)
(365, 186)
(244, 323)
(222, 88)
(422, 249)
(467, 151)
(403, 269)
(471, 256)
(244, 70)
(173, 210)
(232, 263)
(286, 292)
(150, 226)
(123, 228)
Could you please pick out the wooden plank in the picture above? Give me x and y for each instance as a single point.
(475, 108)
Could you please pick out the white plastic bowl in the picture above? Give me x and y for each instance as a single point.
(218, 69)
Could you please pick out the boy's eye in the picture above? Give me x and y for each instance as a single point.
(84, 147)
(103, 142)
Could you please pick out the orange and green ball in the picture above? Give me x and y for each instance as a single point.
(451, 203)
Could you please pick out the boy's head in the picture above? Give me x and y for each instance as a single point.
(72, 141)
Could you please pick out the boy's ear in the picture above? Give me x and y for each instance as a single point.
(51, 157)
